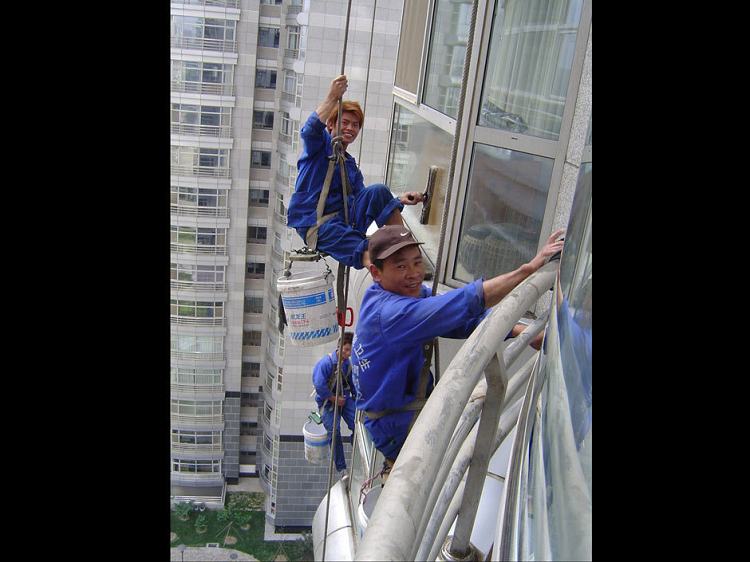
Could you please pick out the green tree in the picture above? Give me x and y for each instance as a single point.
(201, 523)
(183, 510)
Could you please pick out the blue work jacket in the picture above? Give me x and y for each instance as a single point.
(323, 371)
(387, 351)
(312, 166)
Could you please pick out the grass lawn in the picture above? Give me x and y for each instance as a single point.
(249, 541)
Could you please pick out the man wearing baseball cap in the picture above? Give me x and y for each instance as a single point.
(399, 316)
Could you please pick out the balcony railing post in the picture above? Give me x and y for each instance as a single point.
(497, 383)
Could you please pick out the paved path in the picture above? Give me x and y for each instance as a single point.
(199, 554)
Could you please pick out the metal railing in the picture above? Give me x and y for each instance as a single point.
(195, 448)
(189, 419)
(211, 88)
(396, 529)
(192, 321)
(227, 3)
(194, 210)
(291, 53)
(198, 286)
(198, 249)
(223, 131)
(198, 388)
(196, 356)
(223, 45)
(200, 171)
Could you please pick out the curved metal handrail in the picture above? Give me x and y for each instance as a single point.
(393, 529)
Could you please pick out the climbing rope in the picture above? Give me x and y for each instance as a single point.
(342, 284)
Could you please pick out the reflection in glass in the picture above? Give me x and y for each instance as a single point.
(554, 512)
(415, 146)
(528, 66)
(450, 33)
(503, 212)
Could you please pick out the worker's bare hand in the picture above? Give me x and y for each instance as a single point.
(338, 87)
(551, 247)
(411, 198)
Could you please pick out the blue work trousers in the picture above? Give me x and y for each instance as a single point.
(347, 411)
(345, 244)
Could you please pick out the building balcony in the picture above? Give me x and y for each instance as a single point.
(224, 131)
(198, 249)
(191, 321)
(202, 44)
(200, 479)
(291, 53)
(197, 388)
(198, 286)
(224, 3)
(197, 421)
(193, 449)
(209, 88)
(196, 356)
(200, 171)
(194, 210)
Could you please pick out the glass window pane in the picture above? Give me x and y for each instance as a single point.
(410, 45)
(450, 32)
(503, 212)
(528, 66)
(416, 145)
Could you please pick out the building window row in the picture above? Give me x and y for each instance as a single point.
(213, 34)
(202, 78)
(197, 407)
(196, 377)
(185, 437)
(196, 466)
(212, 276)
(250, 369)
(252, 338)
(254, 305)
(257, 234)
(255, 270)
(268, 36)
(258, 197)
(265, 78)
(200, 240)
(203, 120)
(210, 346)
(180, 308)
(200, 161)
(262, 119)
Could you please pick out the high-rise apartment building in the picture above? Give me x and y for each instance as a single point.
(312, 37)
(245, 74)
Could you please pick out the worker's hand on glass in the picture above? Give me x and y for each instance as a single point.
(411, 198)
(551, 247)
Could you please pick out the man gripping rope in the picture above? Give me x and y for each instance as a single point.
(318, 217)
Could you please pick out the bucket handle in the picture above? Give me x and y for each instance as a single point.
(341, 317)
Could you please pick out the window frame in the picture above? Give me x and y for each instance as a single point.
(470, 133)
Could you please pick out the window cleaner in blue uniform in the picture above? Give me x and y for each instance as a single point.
(324, 380)
(399, 316)
(316, 209)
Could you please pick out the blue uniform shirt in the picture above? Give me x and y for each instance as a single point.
(387, 354)
(323, 371)
(312, 166)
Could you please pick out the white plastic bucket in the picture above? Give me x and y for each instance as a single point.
(365, 509)
(316, 442)
(310, 308)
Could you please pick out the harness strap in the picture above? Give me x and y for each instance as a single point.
(415, 404)
(311, 238)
